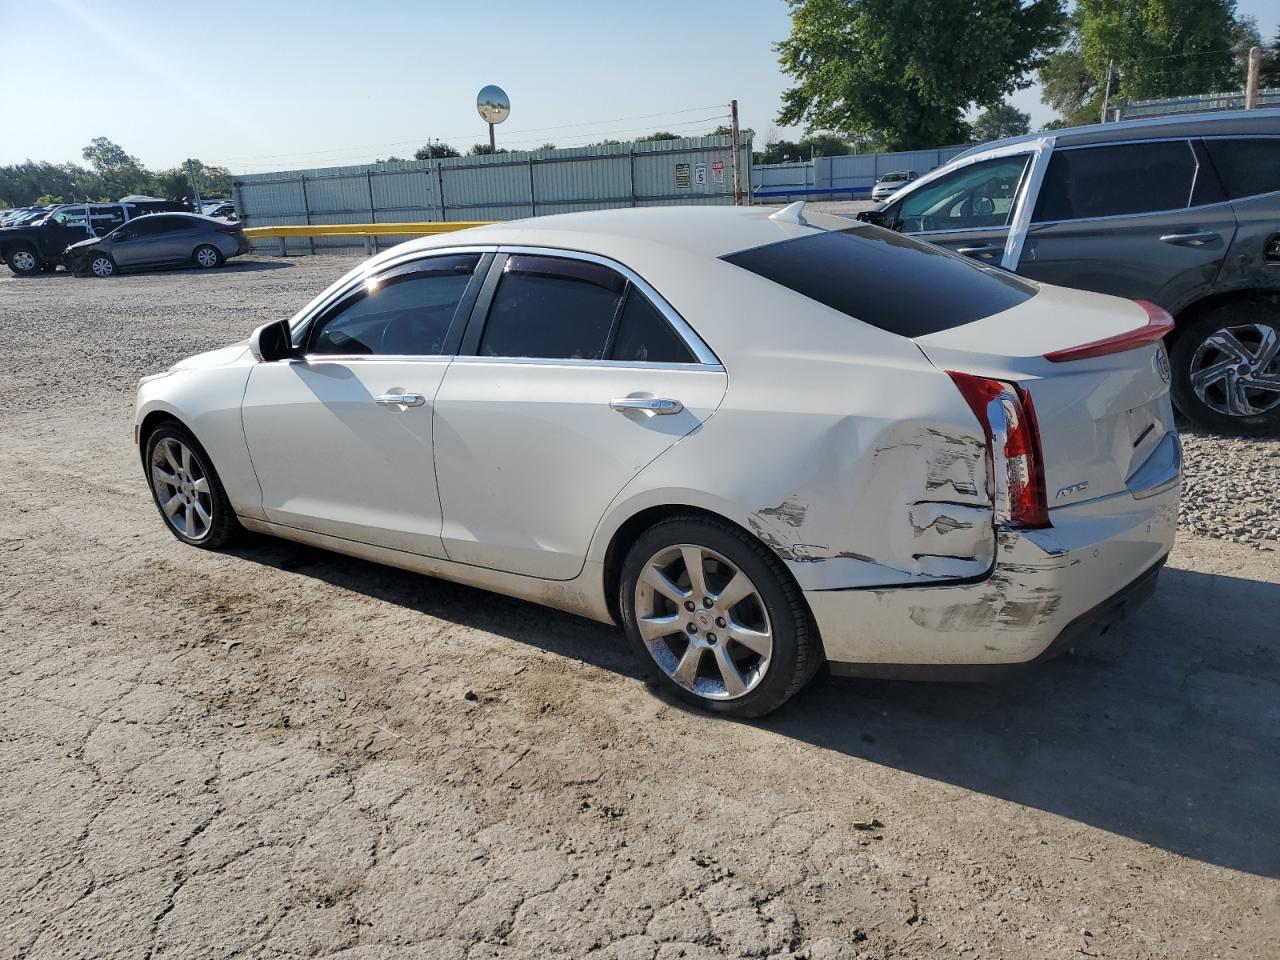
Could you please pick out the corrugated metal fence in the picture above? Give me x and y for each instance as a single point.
(839, 177)
(504, 186)
(1201, 103)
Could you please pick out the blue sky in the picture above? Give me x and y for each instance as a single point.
(265, 85)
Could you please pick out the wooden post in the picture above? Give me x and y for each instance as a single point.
(1251, 83)
(737, 174)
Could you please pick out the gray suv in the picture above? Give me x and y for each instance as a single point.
(1183, 211)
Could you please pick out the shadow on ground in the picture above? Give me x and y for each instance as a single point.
(1166, 730)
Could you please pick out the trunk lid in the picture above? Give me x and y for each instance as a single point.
(1100, 418)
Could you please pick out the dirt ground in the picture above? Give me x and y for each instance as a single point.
(278, 752)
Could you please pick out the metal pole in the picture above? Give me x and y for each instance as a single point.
(733, 132)
(493, 148)
(533, 200)
(1251, 84)
(1106, 92)
(195, 187)
(370, 247)
(306, 208)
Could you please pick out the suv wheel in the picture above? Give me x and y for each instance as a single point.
(24, 262)
(719, 616)
(1226, 369)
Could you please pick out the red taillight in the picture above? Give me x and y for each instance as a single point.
(230, 230)
(1009, 421)
(1159, 324)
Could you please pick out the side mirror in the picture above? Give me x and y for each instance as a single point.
(874, 217)
(272, 341)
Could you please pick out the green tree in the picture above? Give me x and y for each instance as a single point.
(657, 136)
(435, 151)
(906, 71)
(483, 150)
(1157, 48)
(1000, 121)
(1270, 73)
(117, 174)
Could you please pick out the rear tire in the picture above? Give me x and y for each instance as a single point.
(24, 262)
(207, 256)
(694, 636)
(1226, 369)
(186, 488)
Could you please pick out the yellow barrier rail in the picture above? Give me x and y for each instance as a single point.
(362, 229)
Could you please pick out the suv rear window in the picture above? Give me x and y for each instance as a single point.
(896, 283)
(1247, 167)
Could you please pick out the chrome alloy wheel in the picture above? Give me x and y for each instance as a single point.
(207, 257)
(1236, 371)
(24, 260)
(703, 621)
(102, 267)
(182, 488)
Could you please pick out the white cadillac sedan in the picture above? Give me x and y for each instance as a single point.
(758, 442)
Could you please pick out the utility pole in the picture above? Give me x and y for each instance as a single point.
(195, 187)
(1106, 91)
(733, 131)
(1251, 84)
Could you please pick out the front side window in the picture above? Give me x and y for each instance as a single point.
(70, 217)
(1127, 179)
(980, 195)
(407, 314)
(1247, 167)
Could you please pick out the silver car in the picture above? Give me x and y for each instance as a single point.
(157, 240)
(891, 183)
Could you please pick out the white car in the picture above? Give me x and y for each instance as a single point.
(758, 442)
(891, 183)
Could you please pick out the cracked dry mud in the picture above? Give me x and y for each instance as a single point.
(277, 752)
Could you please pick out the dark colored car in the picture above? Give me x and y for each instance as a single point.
(36, 246)
(1183, 211)
(159, 240)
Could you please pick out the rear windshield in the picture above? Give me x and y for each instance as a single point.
(893, 282)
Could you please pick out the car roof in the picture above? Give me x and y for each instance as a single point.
(711, 231)
(1216, 123)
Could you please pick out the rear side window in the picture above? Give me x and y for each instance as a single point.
(153, 226)
(644, 336)
(553, 308)
(1246, 167)
(890, 281)
(1115, 181)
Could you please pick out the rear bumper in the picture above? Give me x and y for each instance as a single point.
(1047, 587)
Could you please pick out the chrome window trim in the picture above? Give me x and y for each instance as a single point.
(299, 325)
(372, 357)
(1103, 144)
(697, 346)
(589, 362)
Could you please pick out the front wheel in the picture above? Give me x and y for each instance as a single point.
(24, 262)
(1226, 369)
(187, 490)
(719, 616)
(101, 265)
(207, 256)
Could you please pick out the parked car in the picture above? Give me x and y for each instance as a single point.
(1182, 210)
(37, 245)
(891, 183)
(223, 210)
(158, 240)
(688, 421)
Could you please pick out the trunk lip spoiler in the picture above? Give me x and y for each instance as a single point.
(1159, 325)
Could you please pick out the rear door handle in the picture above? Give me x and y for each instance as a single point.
(1197, 238)
(649, 406)
(401, 399)
(985, 252)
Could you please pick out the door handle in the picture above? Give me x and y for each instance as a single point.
(1197, 238)
(649, 406)
(985, 252)
(401, 399)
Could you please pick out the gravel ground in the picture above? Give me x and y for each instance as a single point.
(277, 752)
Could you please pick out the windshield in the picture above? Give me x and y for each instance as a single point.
(893, 177)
